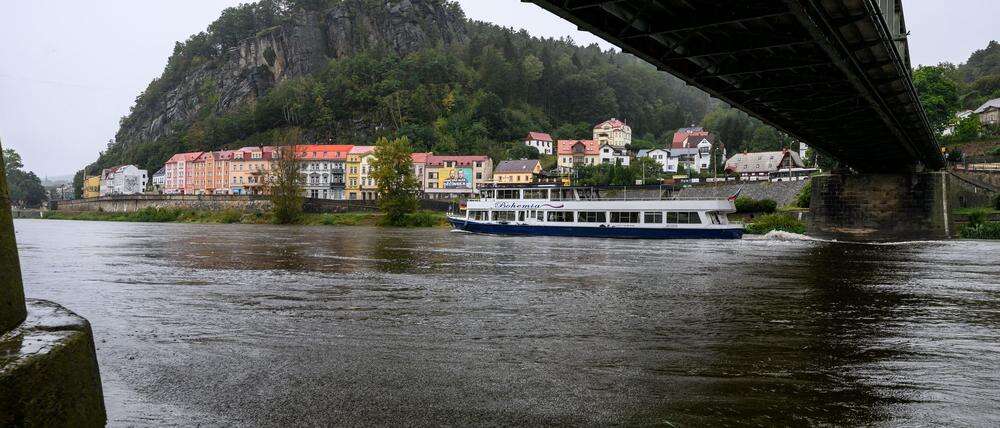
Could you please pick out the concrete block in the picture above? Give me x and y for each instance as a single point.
(48, 371)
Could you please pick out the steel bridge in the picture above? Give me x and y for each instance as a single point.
(834, 74)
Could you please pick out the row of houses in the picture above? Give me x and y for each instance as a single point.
(691, 148)
(328, 172)
(119, 180)
(988, 114)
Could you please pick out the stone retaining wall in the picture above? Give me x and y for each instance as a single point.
(121, 204)
(783, 192)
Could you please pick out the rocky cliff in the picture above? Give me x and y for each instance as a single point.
(300, 45)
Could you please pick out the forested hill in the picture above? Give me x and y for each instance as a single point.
(349, 71)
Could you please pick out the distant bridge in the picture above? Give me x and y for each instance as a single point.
(834, 74)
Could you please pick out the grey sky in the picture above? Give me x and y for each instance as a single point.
(71, 68)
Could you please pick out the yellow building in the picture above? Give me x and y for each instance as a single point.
(517, 171)
(92, 187)
(356, 173)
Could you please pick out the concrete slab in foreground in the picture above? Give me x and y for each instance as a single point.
(48, 371)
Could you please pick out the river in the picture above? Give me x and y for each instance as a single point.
(278, 326)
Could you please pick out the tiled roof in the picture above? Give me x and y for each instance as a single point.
(323, 152)
(361, 150)
(434, 160)
(420, 157)
(565, 147)
(761, 161)
(516, 166)
(614, 123)
(682, 133)
(692, 139)
(994, 103)
(539, 136)
(184, 157)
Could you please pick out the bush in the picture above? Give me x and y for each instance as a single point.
(782, 222)
(996, 202)
(417, 219)
(804, 197)
(987, 230)
(747, 205)
(978, 216)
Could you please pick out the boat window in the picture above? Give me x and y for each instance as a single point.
(683, 218)
(560, 216)
(520, 216)
(624, 217)
(477, 215)
(715, 218)
(562, 194)
(540, 215)
(487, 194)
(508, 194)
(504, 215)
(653, 218)
(536, 194)
(592, 217)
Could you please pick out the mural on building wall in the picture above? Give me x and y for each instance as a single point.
(455, 178)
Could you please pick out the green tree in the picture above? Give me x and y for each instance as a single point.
(285, 182)
(968, 129)
(25, 187)
(938, 94)
(392, 170)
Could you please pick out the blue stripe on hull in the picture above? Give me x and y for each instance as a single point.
(596, 232)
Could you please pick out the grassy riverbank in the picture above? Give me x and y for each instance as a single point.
(175, 215)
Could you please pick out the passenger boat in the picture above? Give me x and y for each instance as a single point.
(594, 212)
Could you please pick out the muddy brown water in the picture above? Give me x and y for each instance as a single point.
(275, 326)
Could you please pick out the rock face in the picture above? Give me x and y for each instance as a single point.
(298, 47)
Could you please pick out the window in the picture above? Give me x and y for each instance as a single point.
(683, 218)
(504, 215)
(520, 216)
(536, 194)
(508, 194)
(592, 217)
(539, 215)
(560, 216)
(477, 215)
(624, 217)
(652, 218)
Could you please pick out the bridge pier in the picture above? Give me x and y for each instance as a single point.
(882, 207)
(48, 365)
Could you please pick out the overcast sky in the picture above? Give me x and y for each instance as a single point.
(70, 69)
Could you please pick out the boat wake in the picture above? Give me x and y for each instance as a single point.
(781, 236)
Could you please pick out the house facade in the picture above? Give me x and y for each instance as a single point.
(448, 177)
(323, 170)
(611, 155)
(356, 173)
(179, 172)
(158, 180)
(662, 157)
(123, 180)
(540, 141)
(760, 166)
(517, 171)
(575, 153)
(692, 148)
(92, 187)
(989, 113)
(614, 133)
(249, 170)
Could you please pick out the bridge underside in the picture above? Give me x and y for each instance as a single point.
(827, 72)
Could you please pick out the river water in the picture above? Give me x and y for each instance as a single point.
(278, 326)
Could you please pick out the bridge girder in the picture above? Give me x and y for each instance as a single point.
(834, 74)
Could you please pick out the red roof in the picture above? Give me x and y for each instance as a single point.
(615, 123)
(684, 140)
(184, 157)
(565, 147)
(362, 150)
(433, 160)
(323, 151)
(538, 136)
(420, 157)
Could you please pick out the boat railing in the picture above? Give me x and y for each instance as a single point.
(612, 199)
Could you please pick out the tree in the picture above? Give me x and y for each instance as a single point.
(392, 170)
(968, 129)
(285, 183)
(25, 187)
(521, 151)
(938, 94)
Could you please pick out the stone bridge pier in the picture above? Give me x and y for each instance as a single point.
(48, 365)
(889, 207)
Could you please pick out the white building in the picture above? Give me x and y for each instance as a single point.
(159, 180)
(123, 180)
(692, 147)
(661, 156)
(540, 141)
(613, 132)
(611, 155)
